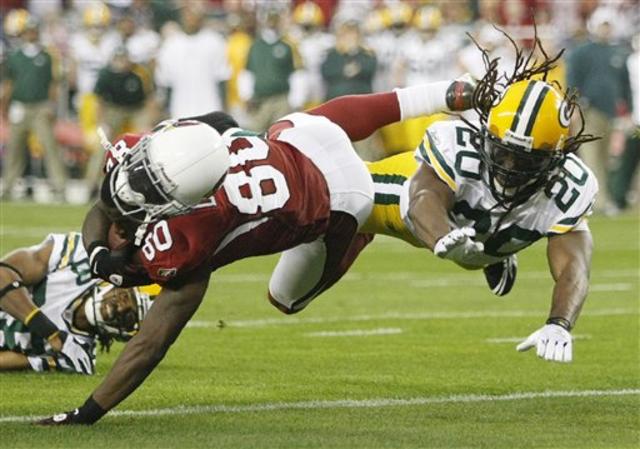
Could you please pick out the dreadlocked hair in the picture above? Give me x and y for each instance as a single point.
(105, 341)
(490, 88)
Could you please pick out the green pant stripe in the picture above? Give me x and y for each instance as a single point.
(388, 179)
(386, 199)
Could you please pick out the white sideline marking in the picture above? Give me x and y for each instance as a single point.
(294, 320)
(519, 339)
(419, 279)
(351, 403)
(356, 332)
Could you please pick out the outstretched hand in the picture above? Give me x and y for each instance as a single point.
(552, 342)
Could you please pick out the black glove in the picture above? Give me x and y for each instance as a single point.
(89, 413)
(112, 267)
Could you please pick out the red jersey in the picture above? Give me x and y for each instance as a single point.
(273, 198)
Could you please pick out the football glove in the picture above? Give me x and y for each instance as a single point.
(459, 247)
(61, 419)
(87, 414)
(112, 266)
(75, 354)
(502, 275)
(552, 342)
(459, 96)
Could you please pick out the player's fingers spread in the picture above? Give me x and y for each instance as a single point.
(568, 354)
(549, 353)
(541, 348)
(558, 354)
(525, 345)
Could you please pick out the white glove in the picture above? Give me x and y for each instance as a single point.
(552, 343)
(459, 246)
(77, 356)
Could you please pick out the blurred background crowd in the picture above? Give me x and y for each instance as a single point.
(69, 67)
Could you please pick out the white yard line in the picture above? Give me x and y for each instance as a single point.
(408, 316)
(519, 339)
(351, 403)
(421, 279)
(356, 332)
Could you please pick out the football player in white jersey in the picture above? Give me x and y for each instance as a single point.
(424, 56)
(482, 191)
(53, 311)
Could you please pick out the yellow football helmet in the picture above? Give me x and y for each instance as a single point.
(428, 18)
(15, 22)
(96, 15)
(376, 21)
(524, 138)
(308, 14)
(399, 14)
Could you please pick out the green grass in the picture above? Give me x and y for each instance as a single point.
(439, 355)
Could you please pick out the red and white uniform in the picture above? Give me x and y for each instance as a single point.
(273, 198)
(301, 191)
(278, 196)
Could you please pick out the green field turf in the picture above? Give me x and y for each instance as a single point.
(405, 352)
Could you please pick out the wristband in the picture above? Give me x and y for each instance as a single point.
(39, 324)
(559, 321)
(14, 285)
(89, 412)
(12, 268)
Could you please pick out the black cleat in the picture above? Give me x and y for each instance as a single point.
(502, 275)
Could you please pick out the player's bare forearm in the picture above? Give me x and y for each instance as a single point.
(12, 361)
(430, 200)
(569, 257)
(31, 265)
(162, 325)
(96, 224)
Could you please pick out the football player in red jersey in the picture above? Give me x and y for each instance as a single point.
(299, 189)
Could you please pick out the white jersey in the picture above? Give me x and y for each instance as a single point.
(560, 207)
(386, 47)
(313, 50)
(58, 295)
(91, 57)
(425, 61)
(192, 66)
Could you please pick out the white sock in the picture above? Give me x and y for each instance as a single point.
(423, 99)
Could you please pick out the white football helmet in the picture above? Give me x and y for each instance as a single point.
(169, 171)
